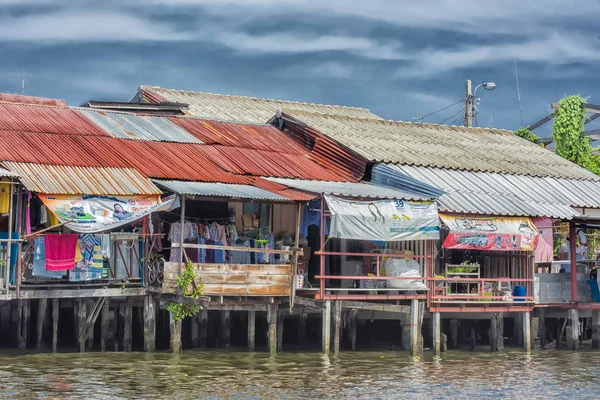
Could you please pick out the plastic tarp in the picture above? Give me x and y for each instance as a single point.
(402, 267)
(383, 220)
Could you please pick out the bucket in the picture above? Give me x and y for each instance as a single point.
(519, 291)
(487, 294)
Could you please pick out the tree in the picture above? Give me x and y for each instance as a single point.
(567, 132)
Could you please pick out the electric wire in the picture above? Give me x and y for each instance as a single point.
(442, 109)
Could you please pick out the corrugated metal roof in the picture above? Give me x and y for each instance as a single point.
(505, 194)
(45, 119)
(443, 146)
(350, 189)
(240, 108)
(60, 179)
(4, 173)
(219, 190)
(131, 126)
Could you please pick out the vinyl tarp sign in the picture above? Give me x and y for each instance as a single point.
(490, 233)
(383, 220)
(93, 213)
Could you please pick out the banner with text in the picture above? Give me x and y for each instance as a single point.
(93, 213)
(490, 233)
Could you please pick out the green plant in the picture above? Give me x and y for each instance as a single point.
(188, 288)
(462, 270)
(567, 131)
(527, 134)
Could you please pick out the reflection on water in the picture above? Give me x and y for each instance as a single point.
(357, 375)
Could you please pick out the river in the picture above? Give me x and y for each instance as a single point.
(353, 375)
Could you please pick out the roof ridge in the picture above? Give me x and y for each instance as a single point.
(256, 98)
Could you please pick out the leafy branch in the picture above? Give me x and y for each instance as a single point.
(188, 288)
(527, 135)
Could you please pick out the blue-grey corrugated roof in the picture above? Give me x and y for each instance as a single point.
(140, 127)
(505, 194)
(352, 189)
(219, 190)
(387, 175)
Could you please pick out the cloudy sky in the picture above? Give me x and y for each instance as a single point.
(400, 59)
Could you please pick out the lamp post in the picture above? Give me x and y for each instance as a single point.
(470, 99)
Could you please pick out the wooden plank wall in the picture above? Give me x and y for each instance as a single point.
(236, 280)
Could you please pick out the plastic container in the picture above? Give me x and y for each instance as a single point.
(595, 290)
(519, 291)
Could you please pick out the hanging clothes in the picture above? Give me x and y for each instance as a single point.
(240, 257)
(190, 235)
(39, 260)
(312, 216)
(544, 248)
(60, 251)
(52, 220)
(214, 256)
(217, 233)
(4, 197)
(262, 257)
(232, 234)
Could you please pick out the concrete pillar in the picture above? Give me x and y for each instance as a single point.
(175, 328)
(352, 326)
(595, 329)
(127, 328)
(518, 329)
(405, 325)
(326, 331)
(527, 331)
(81, 325)
(337, 323)
(41, 317)
(280, 322)
(497, 332)
(225, 333)
(149, 324)
(542, 326)
(573, 329)
(416, 342)
(437, 333)
(104, 324)
(251, 330)
(272, 322)
(55, 314)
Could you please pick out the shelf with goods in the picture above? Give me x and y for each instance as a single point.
(463, 287)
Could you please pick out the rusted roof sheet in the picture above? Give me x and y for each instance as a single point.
(441, 146)
(46, 119)
(219, 190)
(240, 108)
(131, 126)
(60, 179)
(22, 99)
(283, 190)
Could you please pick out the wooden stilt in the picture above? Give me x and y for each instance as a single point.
(272, 322)
(81, 317)
(194, 331)
(326, 331)
(595, 329)
(104, 325)
(55, 316)
(337, 323)
(203, 318)
(405, 326)
(542, 327)
(26, 323)
(473, 335)
(415, 333)
(5, 320)
(527, 331)
(127, 334)
(225, 333)
(497, 332)
(149, 324)
(16, 310)
(280, 322)
(41, 317)
(175, 328)
(113, 332)
(518, 329)
(352, 326)
(251, 330)
(437, 334)
(90, 326)
(573, 330)
(302, 327)
(454, 333)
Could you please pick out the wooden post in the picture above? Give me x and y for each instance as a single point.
(280, 322)
(272, 322)
(326, 331)
(415, 332)
(26, 323)
(104, 324)
(203, 318)
(573, 260)
(595, 329)
(149, 324)
(527, 331)
(337, 322)
(41, 317)
(81, 328)
(55, 316)
(251, 330)
(437, 333)
(352, 325)
(405, 325)
(542, 327)
(90, 330)
(225, 334)
(454, 333)
(518, 330)
(473, 335)
(175, 328)
(114, 332)
(194, 327)
(573, 329)
(497, 332)
(127, 334)
(302, 327)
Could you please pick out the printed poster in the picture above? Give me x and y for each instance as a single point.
(383, 220)
(93, 213)
(490, 233)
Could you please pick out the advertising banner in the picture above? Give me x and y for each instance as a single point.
(490, 233)
(93, 213)
(383, 220)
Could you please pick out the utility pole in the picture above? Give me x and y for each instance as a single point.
(468, 105)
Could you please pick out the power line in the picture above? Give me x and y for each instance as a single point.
(441, 109)
(453, 116)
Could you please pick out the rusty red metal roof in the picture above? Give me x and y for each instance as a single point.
(22, 99)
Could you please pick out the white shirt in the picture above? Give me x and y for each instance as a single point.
(582, 238)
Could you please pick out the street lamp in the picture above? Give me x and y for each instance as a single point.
(470, 100)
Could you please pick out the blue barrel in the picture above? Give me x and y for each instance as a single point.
(519, 291)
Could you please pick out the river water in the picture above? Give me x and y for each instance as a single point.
(353, 375)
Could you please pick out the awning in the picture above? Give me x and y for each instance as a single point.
(490, 233)
(383, 220)
(219, 190)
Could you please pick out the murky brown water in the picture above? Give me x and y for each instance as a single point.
(358, 375)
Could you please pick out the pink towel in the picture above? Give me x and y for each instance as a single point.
(60, 251)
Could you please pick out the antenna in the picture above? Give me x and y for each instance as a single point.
(491, 121)
(518, 91)
(23, 81)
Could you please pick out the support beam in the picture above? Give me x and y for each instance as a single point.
(454, 333)
(596, 327)
(416, 342)
(280, 323)
(542, 327)
(90, 322)
(127, 328)
(573, 259)
(203, 319)
(473, 335)
(326, 330)
(497, 332)
(337, 321)
(437, 333)
(518, 329)
(149, 324)
(302, 327)
(26, 322)
(272, 323)
(405, 326)
(573, 330)
(225, 332)
(55, 316)
(352, 326)
(175, 328)
(104, 324)
(41, 317)
(527, 331)
(251, 330)
(81, 328)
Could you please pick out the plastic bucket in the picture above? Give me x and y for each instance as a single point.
(519, 291)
